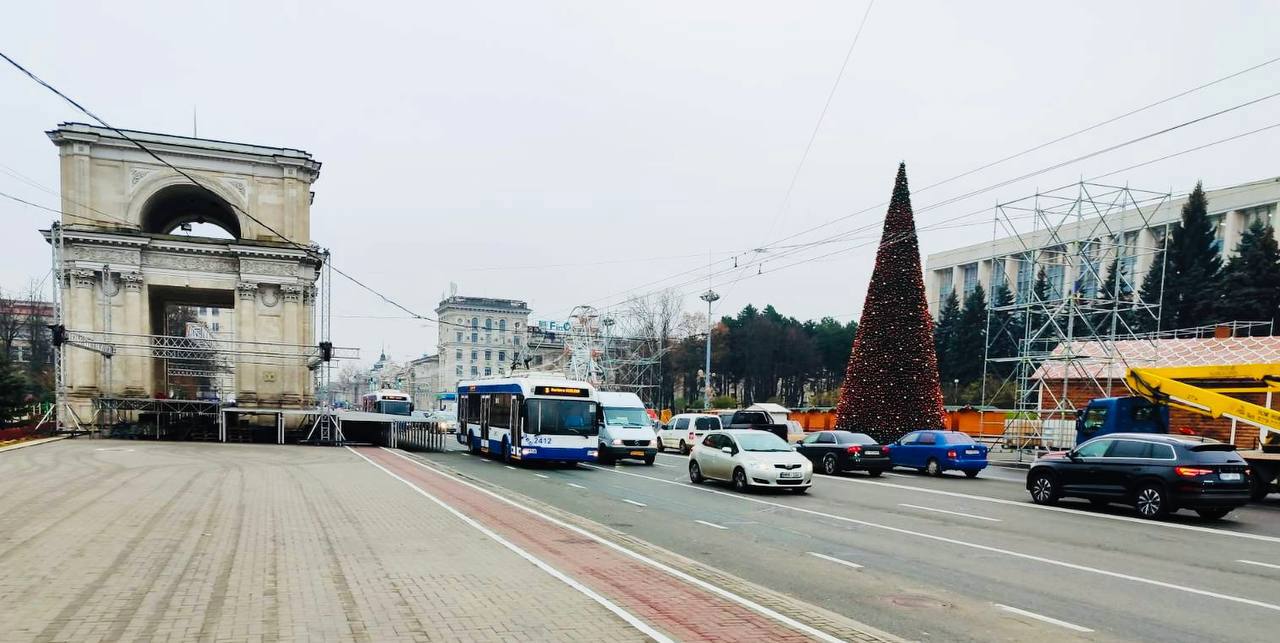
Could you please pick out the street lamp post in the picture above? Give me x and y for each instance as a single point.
(710, 297)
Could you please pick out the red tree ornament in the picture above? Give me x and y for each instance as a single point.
(891, 383)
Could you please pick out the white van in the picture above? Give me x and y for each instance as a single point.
(625, 428)
(686, 430)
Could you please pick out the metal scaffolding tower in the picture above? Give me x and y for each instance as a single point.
(1074, 272)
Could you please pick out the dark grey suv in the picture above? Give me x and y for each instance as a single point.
(1156, 474)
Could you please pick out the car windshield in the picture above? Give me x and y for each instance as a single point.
(761, 442)
(561, 417)
(395, 408)
(626, 417)
(854, 438)
(959, 438)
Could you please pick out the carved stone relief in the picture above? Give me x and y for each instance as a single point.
(269, 268)
(131, 280)
(270, 295)
(292, 293)
(78, 252)
(82, 278)
(247, 290)
(181, 262)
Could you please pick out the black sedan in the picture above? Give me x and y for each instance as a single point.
(834, 451)
(1156, 474)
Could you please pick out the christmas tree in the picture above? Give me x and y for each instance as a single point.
(891, 381)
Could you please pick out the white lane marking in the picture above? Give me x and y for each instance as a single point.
(510, 467)
(953, 513)
(1041, 617)
(632, 502)
(606, 603)
(575, 486)
(897, 475)
(1077, 512)
(710, 524)
(1254, 562)
(692, 580)
(544, 477)
(835, 560)
(659, 464)
(962, 543)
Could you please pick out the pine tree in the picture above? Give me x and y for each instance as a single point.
(1251, 280)
(969, 342)
(891, 382)
(1143, 320)
(944, 336)
(1193, 267)
(13, 391)
(1005, 331)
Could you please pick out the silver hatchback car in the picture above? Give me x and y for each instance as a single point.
(750, 459)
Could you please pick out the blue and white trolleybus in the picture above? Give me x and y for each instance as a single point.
(529, 418)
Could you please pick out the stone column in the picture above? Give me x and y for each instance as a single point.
(135, 382)
(246, 313)
(309, 339)
(81, 316)
(293, 370)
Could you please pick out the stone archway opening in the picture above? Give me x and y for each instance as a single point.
(190, 210)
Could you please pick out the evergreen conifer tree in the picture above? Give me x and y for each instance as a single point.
(1192, 270)
(1143, 320)
(944, 336)
(969, 342)
(1251, 280)
(1006, 331)
(891, 381)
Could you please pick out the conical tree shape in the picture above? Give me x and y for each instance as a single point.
(891, 382)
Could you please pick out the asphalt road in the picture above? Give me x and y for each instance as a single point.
(942, 559)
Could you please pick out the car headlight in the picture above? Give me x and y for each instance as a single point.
(617, 442)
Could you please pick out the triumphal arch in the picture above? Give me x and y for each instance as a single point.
(138, 240)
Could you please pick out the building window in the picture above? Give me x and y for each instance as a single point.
(1217, 222)
(475, 322)
(459, 336)
(474, 355)
(502, 325)
(214, 326)
(215, 311)
(474, 371)
(488, 323)
(1087, 282)
(1127, 263)
(1264, 214)
(1055, 272)
(488, 356)
(502, 356)
(970, 277)
(946, 285)
(457, 354)
(998, 276)
(475, 337)
(515, 340)
(488, 371)
(457, 370)
(1026, 277)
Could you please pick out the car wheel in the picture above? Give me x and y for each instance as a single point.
(829, 464)
(1260, 487)
(684, 448)
(739, 479)
(661, 448)
(506, 451)
(695, 472)
(971, 473)
(1044, 489)
(933, 468)
(875, 473)
(1151, 501)
(473, 443)
(649, 459)
(1216, 513)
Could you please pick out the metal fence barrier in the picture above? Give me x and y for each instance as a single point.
(414, 436)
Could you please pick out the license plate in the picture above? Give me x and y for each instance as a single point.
(640, 453)
(971, 452)
(870, 452)
(789, 474)
(1229, 477)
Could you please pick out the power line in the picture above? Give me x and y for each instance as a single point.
(35, 184)
(795, 176)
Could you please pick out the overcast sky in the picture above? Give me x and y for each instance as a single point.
(490, 144)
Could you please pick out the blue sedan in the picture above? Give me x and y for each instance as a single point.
(936, 451)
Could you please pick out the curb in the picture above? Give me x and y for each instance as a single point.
(1022, 466)
(32, 443)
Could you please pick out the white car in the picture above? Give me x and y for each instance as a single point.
(750, 459)
(686, 430)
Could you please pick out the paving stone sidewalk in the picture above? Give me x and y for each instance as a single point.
(120, 540)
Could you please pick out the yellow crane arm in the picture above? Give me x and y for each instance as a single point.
(1200, 389)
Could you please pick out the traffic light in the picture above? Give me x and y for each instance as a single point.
(59, 334)
(326, 351)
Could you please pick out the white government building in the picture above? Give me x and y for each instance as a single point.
(1232, 210)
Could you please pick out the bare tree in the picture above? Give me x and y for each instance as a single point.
(13, 320)
(654, 321)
